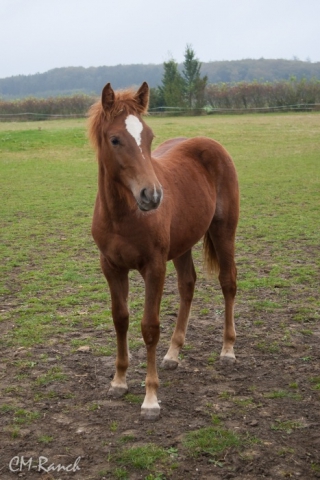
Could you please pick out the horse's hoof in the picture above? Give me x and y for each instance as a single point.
(227, 359)
(150, 414)
(169, 364)
(117, 392)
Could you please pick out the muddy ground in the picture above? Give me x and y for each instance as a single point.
(269, 398)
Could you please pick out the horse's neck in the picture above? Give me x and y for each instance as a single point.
(115, 201)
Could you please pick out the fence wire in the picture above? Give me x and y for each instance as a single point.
(170, 111)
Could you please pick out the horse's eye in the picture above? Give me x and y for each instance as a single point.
(115, 141)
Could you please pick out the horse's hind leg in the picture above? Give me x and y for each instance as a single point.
(186, 281)
(223, 238)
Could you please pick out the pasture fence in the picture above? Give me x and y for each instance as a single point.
(208, 110)
(35, 116)
(167, 111)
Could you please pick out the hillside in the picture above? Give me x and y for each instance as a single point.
(71, 80)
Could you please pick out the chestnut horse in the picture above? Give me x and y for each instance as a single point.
(154, 207)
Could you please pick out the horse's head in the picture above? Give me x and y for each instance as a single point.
(124, 144)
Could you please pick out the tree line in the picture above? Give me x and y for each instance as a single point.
(184, 89)
(42, 108)
(190, 90)
(90, 81)
(244, 96)
(291, 94)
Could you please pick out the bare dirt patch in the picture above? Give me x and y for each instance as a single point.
(269, 396)
(54, 400)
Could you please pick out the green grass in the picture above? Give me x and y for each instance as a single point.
(53, 375)
(141, 457)
(20, 416)
(316, 382)
(148, 458)
(114, 427)
(50, 271)
(282, 394)
(131, 398)
(212, 441)
(315, 467)
(45, 439)
(286, 426)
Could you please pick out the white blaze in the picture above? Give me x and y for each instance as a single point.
(134, 127)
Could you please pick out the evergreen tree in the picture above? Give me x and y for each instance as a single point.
(173, 85)
(156, 99)
(194, 84)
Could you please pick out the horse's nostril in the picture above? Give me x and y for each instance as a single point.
(150, 198)
(144, 195)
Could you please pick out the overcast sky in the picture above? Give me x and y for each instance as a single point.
(38, 35)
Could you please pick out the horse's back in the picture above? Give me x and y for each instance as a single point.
(166, 146)
(197, 152)
(190, 147)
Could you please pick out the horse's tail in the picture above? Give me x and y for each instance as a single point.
(210, 256)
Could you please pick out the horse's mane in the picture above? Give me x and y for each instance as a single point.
(125, 101)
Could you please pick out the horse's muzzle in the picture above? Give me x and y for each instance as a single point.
(150, 198)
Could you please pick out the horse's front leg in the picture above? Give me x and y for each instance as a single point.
(119, 287)
(154, 280)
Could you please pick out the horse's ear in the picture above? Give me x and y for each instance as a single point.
(142, 97)
(107, 98)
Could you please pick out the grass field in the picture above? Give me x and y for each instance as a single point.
(51, 287)
(49, 265)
